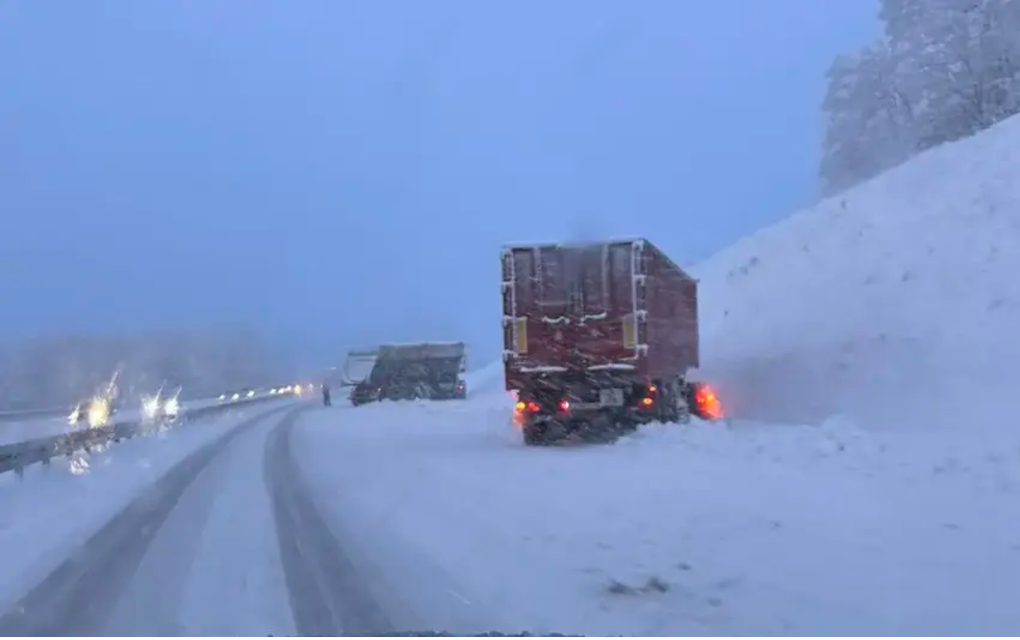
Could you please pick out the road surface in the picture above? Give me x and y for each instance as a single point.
(409, 517)
(228, 542)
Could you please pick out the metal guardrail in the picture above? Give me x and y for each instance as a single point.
(15, 457)
(31, 414)
(60, 412)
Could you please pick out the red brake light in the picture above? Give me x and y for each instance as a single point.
(652, 388)
(564, 405)
(529, 406)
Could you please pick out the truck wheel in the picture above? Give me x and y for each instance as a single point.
(669, 407)
(534, 436)
(684, 415)
(686, 401)
(626, 424)
(600, 430)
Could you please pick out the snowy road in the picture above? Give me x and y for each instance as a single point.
(199, 552)
(701, 530)
(432, 516)
(326, 595)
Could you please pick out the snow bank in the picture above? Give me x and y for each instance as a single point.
(758, 530)
(45, 514)
(896, 303)
(488, 379)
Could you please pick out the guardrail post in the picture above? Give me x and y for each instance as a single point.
(20, 470)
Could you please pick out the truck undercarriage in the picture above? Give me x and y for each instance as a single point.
(597, 406)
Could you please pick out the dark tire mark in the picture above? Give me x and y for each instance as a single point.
(79, 595)
(327, 596)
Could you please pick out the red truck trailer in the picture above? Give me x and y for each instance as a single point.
(599, 338)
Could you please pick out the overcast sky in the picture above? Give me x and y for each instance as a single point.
(335, 172)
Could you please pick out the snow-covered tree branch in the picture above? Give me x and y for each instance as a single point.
(942, 70)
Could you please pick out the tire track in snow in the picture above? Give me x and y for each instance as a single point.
(79, 595)
(326, 594)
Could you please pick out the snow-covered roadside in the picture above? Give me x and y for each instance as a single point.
(752, 530)
(52, 509)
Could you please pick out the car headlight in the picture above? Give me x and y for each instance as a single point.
(150, 408)
(99, 412)
(172, 407)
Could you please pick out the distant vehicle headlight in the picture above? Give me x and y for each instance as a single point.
(99, 412)
(172, 407)
(150, 407)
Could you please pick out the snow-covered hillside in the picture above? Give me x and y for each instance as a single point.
(896, 303)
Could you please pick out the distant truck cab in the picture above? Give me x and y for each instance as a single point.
(599, 338)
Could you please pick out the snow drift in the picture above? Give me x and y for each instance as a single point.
(895, 303)
(696, 530)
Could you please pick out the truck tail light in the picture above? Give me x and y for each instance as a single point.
(707, 403)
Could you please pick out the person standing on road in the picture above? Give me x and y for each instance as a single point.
(326, 400)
